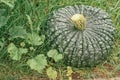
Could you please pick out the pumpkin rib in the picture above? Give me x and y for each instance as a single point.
(95, 45)
(96, 20)
(59, 35)
(73, 51)
(77, 9)
(70, 10)
(68, 59)
(80, 49)
(69, 41)
(66, 12)
(102, 39)
(101, 48)
(88, 46)
(105, 33)
(102, 36)
(90, 35)
(66, 34)
(88, 57)
(90, 39)
(67, 18)
(92, 44)
(54, 38)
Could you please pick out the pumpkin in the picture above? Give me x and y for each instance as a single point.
(84, 34)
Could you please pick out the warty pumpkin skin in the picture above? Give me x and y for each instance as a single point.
(86, 47)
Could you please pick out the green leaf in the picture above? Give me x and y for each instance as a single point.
(10, 3)
(51, 73)
(38, 63)
(3, 20)
(52, 53)
(58, 57)
(35, 39)
(17, 31)
(55, 55)
(16, 53)
(12, 49)
(22, 50)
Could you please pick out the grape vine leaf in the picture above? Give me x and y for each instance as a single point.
(55, 55)
(52, 74)
(38, 63)
(16, 53)
(35, 39)
(17, 31)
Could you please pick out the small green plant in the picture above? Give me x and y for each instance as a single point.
(16, 53)
(55, 55)
(53, 75)
(38, 63)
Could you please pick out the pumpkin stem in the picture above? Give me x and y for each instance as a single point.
(79, 21)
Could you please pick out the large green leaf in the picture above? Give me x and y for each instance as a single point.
(16, 53)
(55, 55)
(35, 39)
(17, 31)
(52, 74)
(38, 63)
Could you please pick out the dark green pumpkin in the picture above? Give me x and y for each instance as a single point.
(86, 47)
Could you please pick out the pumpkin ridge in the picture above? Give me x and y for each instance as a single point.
(63, 35)
(96, 20)
(64, 16)
(105, 33)
(54, 38)
(80, 42)
(91, 41)
(86, 58)
(97, 41)
(82, 48)
(104, 37)
(103, 40)
(77, 34)
(69, 41)
(57, 36)
(68, 12)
